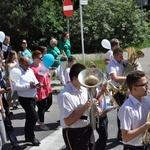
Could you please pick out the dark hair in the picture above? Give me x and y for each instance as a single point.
(75, 70)
(133, 78)
(42, 49)
(10, 56)
(114, 42)
(36, 53)
(71, 59)
(63, 35)
(117, 51)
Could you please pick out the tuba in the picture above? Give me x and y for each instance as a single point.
(133, 56)
(146, 134)
(91, 78)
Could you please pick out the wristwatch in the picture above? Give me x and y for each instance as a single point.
(3, 111)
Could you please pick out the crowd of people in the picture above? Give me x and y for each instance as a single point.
(33, 89)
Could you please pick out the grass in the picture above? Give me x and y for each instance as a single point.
(96, 59)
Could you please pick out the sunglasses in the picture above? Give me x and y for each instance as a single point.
(40, 58)
(24, 42)
(145, 84)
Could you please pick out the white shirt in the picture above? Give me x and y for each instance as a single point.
(115, 67)
(133, 114)
(67, 77)
(22, 85)
(69, 100)
(109, 55)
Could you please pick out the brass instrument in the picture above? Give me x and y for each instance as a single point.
(91, 78)
(133, 56)
(114, 90)
(146, 134)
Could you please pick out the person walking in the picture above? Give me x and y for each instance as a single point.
(134, 112)
(45, 92)
(26, 87)
(115, 70)
(109, 55)
(73, 104)
(11, 62)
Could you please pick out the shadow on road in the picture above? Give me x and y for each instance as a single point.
(112, 143)
(18, 116)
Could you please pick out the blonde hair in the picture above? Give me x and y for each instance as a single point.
(53, 41)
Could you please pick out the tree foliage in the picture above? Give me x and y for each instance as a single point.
(39, 20)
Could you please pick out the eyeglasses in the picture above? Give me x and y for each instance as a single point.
(145, 84)
(24, 42)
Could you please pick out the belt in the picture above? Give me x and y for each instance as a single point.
(131, 147)
(27, 97)
(84, 117)
(81, 128)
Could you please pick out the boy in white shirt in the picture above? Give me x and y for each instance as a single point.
(71, 62)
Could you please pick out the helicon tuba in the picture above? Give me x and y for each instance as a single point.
(91, 78)
(146, 134)
(133, 56)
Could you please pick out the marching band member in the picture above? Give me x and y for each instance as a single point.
(74, 116)
(133, 113)
(115, 70)
(109, 55)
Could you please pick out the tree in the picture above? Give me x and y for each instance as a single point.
(39, 20)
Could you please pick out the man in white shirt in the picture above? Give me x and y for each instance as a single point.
(71, 61)
(115, 70)
(73, 104)
(133, 113)
(109, 55)
(26, 88)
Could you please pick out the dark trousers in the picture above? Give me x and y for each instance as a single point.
(49, 101)
(28, 105)
(8, 125)
(120, 100)
(102, 130)
(41, 108)
(78, 138)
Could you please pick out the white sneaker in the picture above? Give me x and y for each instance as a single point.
(45, 128)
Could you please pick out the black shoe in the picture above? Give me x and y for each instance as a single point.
(18, 147)
(35, 142)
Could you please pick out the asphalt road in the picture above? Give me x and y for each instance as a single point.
(52, 139)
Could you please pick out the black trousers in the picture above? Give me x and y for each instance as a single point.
(77, 138)
(49, 101)
(28, 105)
(120, 100)
(8, 125)
(41, 109)
(102, 130)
